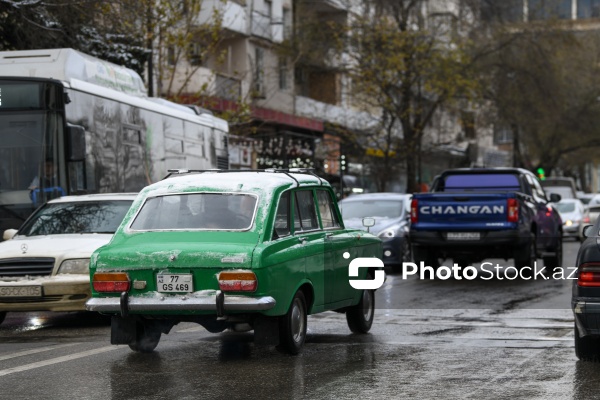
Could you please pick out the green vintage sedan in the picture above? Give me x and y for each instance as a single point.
(240, 250)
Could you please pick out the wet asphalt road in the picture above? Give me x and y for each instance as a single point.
(497, 339)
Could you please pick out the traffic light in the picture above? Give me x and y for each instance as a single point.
(541, 174)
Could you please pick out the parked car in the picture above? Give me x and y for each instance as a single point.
(391, 212)
(585, 300)
(574, 217)
(44, 264)
(241, 250)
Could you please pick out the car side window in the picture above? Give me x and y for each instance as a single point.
(306, 212)
(282, 217)
(326, 210)
(538, 190)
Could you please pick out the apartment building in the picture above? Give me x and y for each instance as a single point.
(299, 108)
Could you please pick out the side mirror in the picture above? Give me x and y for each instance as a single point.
(555, 197)
(368, 222)
(9, 234)
(587, 231)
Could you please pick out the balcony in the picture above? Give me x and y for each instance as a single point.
(261, 25)
(352, 119)
(235, 18)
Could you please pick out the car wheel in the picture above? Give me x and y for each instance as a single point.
(360, 316)
(292, 326)
(526, 256)
(147, 338)
(2, 316)
(554, 262)
(586, 347)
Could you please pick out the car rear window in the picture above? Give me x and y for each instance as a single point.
(196, 211)
(472, 182)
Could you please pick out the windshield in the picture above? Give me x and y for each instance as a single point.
(480, 182)
(77, 217)
(371, 208)
(197, 211)
(565, 207)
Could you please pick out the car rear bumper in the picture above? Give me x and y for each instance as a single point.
(217, 302)
(587, 317)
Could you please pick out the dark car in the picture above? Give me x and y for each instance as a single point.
(391, 212)
(585, 301)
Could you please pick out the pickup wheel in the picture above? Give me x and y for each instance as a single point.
(526, 256)
(147, 338)
(292, 326)
(360, 316)
(554, 262)
(2, 316)
(587, 347)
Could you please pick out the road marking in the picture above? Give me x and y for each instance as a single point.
(34, 351)
(57, 360)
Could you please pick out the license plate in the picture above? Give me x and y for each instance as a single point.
(463, 236)
(174, 283)
(20, 291)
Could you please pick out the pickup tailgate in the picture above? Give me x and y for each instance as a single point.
(463, 211)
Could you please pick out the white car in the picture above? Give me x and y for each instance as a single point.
(574, 218)
(44, 264)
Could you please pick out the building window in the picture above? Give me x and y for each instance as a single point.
(468, 122)
(171, 55)
(259, 73)
(588, 9)
(502, 134)
(195, 54)
(502, 10)
(549, 9)
(287, 23)
(283, 73)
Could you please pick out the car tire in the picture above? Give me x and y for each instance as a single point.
(360, 316)
(292, 326)
(587, 348)
(554, 262)
(147, 338)
(526, 256)
(2, 316)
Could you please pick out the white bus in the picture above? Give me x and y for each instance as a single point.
(71, 123)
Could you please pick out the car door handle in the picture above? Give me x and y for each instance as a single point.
(328, 235)
(302, 240)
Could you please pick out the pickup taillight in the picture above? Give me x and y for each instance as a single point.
(512, 214)
(414, 211)
(589, 275)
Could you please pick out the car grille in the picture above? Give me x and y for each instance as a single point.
(26, 267)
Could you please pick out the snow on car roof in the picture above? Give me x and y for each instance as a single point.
(251, 181)
(95, 197)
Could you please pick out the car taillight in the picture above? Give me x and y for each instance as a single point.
(414, 211)
(549, 211)
(111, 282)
(589, 275)
(513, 210)
(237, 281)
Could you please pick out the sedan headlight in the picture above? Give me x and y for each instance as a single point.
(75, 266)
(387, 233)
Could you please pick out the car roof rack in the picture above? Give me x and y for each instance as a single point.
(285, 171)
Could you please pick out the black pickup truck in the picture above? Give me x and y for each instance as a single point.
(473, 214)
